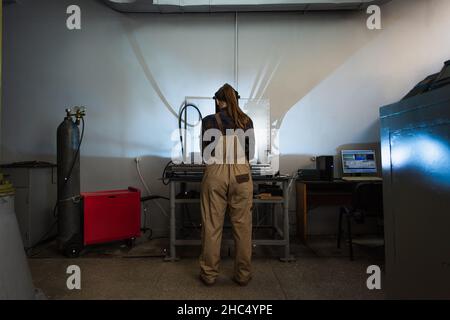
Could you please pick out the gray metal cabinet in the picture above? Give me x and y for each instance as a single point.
(34, 201)
(415, 137)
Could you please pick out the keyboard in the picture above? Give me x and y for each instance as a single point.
(362, 179)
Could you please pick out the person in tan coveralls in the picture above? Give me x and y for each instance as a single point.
(227, 186)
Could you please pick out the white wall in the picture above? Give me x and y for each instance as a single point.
(325, 74)
(1, 48)
(413, 44)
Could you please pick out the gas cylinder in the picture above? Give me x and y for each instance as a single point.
(69, 209)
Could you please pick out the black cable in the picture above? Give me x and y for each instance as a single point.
(43, 240)
(162, 237)
(76, 155)
(194, 226)
(151, 233)
(165, 180)
(149, 198)
(55, 210)
(188, 212)
(145, 228)
(180, 120)
(187, 105)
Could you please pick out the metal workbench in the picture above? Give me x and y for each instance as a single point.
(282, 232)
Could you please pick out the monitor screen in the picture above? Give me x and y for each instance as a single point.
(359, 161)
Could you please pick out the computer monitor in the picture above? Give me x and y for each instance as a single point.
(359, 161)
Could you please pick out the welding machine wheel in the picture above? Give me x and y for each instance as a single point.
(130, 242)
(73, 250)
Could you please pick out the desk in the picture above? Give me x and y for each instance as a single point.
(311, 194)
(282, 232)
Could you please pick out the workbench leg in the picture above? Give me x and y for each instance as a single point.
(302, 212)
(287, 249)
(172, 254)
(274, 220)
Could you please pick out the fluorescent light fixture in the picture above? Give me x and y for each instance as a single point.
(123, 1)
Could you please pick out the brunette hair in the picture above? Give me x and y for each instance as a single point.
(227, 94)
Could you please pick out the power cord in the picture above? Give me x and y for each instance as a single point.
(150, 197)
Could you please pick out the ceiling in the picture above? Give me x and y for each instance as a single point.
(194, 6)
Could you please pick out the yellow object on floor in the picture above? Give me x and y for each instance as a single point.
(6, 187)
(268, 196)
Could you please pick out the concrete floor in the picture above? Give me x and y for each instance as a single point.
(113, 272)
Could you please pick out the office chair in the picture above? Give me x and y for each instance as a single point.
(367, 201)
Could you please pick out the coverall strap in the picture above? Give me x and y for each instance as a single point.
(219, 123)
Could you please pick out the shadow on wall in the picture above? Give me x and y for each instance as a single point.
(176, 56)
(140, 57)
(276, 68)
(291, 61)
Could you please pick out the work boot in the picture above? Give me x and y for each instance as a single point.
(242, 283)
(207, 282)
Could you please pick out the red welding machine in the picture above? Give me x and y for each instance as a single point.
(111, 215)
